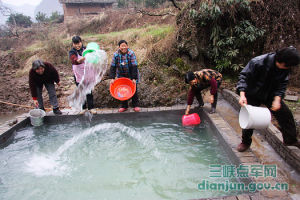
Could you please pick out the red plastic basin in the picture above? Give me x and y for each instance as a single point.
(122, 89)
(191, 119)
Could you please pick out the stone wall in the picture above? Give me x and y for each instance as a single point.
(82, 10)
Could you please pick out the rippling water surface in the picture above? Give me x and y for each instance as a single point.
(109, 160)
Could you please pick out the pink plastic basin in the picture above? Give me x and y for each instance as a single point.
(191, 119)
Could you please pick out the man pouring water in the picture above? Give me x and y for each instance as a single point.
(264, 81)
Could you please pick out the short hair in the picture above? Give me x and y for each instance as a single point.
(37, 63)
(121, 42)
(76, 39)
(189, 77)
(289, 55)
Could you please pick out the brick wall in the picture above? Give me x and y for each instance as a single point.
(84, 9)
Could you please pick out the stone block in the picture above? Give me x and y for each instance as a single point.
(155, 109)
(114, 110)
(255, 196)
(291, 98)
(162, 108)
(151, 109)
(176, 107)
(248, 159)
(274, 194)
(144, 109)
(107, 111)
(181, 107)
(243, 197)
(229, 198)
(129, 110)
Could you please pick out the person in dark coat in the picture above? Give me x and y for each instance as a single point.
(264, 81)
(43, 73)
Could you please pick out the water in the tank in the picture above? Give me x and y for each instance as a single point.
(129, 159)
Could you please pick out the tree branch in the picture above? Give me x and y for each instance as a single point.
(5, 11)
(175, 4)
(154, 14)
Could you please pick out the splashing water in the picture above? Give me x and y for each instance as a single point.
(52, 164)
(95, 67)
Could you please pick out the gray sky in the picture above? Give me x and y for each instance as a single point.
(22, 2)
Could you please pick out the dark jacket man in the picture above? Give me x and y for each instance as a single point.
(264, 81)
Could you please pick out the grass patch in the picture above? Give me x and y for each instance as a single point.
(158, 32)
(35, 46)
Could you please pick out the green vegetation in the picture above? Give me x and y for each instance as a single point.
(34, 47)
(158, 32)
(155, 32)
(41, 17)
(19, 20)
(55, 17)
(231, 31)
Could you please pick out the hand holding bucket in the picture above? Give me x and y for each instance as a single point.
(89, 53)
(37, 117)
(122, 89)
(252, 117)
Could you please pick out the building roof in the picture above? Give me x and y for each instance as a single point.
(87, 1)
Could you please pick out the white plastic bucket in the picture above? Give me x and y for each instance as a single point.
(252, 117)
(37, 117)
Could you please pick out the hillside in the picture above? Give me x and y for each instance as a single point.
(146, 36)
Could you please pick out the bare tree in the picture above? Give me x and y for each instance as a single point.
(7, 12)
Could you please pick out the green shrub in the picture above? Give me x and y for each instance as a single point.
(19, 20)
(231, 31)
(41, 17)
(57, 51)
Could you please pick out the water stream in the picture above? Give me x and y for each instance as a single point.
(93, 74)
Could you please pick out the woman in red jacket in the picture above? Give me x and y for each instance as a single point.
(200, 80)
(43, 73)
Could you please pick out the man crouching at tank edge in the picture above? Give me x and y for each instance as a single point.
(43, 73)
(199, 81)
(264, 81)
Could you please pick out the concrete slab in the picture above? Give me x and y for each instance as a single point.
(291, 98)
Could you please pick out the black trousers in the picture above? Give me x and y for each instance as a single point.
(200, 99)
(135, 100)
(284, 117)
